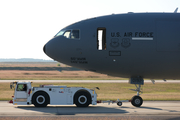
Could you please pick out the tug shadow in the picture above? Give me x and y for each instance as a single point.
(73, 110)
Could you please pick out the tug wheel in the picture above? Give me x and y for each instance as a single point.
(40, 99)
(82, 99)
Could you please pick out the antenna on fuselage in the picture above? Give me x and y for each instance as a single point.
(176, 10)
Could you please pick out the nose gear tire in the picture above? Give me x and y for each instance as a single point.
(136, 101)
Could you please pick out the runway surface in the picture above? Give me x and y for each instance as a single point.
(149, 109)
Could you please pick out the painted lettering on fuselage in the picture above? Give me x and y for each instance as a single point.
(79, 60)
(132, 34)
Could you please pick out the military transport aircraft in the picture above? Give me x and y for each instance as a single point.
(132, 45)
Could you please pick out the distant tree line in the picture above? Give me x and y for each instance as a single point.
(24, 60)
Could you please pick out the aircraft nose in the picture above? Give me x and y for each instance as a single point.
(44, 49)
(51, 48)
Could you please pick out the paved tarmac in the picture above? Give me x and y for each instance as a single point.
(149, 108)
(152, 110)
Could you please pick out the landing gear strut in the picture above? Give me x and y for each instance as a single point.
(136, 100)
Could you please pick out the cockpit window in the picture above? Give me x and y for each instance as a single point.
(67, 33)
(75, 34)
(59, 33)
(71, 34)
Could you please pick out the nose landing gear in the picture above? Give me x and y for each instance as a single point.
(136, 100)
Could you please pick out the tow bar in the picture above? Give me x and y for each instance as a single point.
(118, 102)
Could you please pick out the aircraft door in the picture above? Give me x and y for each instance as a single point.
(101, 38)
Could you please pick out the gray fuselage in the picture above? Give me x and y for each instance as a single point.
(134, 44)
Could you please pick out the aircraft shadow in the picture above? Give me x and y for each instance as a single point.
(170, 111)
(152, 108)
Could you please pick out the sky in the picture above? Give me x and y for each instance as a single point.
(27, 25)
